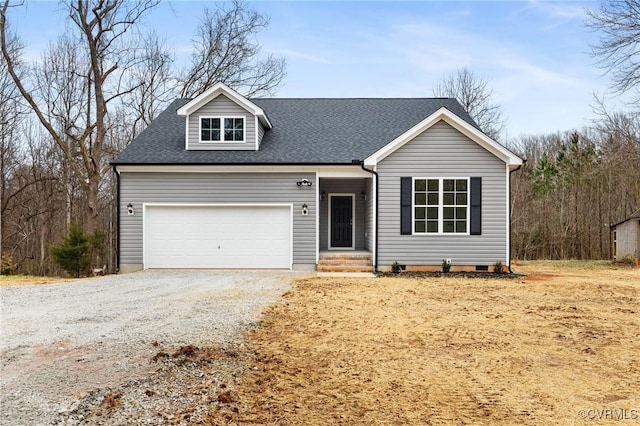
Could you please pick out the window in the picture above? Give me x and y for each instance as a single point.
(440, 206)
(209, 129)
(221, 129)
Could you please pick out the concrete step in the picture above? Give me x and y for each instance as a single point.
(354, 262)
(345, 256)
(344, 268)
(345, 262)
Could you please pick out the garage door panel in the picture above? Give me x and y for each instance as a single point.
(217, 237)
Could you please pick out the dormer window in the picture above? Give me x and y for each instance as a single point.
(221, 129)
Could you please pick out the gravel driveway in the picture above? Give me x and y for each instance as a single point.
(59, 342)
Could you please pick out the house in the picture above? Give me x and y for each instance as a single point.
(222, 181)
(626, 238)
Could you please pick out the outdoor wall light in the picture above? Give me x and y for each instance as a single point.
(323, 196)
(304, 182)
(305, 209)
(363, 195)
(130, 209)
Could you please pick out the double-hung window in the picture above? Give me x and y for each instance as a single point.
(441, 206)
(221, 129)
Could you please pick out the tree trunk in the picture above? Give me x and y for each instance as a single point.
(92, 188)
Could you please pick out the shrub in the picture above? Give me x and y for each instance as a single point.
(498, 267)
(7, 266)
(395, 267)
(624, 261)
(74, 254)
(446, 265)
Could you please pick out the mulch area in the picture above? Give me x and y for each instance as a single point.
(484, 275)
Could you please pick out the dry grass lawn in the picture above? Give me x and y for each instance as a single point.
(533, 350)
(30, 279)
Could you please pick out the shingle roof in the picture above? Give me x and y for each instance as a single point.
(305, 131)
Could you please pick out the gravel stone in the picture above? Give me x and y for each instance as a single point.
(90, 351)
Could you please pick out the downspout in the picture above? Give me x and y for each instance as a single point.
(373, 172)
(115, 170)
(510, 239)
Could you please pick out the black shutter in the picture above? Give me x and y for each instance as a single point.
(405, 205)
(476, 206)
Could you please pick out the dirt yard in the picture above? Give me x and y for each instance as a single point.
(560, 346)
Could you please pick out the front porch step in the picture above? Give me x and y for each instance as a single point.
(344, 268)
(353, 262)
(345, 262)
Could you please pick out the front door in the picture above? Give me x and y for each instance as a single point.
(341, 221)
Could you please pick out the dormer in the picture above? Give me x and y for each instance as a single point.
(222, 119)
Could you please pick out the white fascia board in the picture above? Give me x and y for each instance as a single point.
(512, 160)
(218, 89)
(323, 171)
(345, 173)
(257, 132)
(186, 134)
(457, 123)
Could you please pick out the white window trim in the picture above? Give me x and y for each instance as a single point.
(222, 117)
(440, 206)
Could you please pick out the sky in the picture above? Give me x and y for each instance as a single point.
(535, 54)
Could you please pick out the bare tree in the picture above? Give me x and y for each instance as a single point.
(153, 81)
(90, 92)
(32, 196)
(101, 27)
(63, 89)
(475, 95)
(618, 21)
(226, 51)
(11, 113)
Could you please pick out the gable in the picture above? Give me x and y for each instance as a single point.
(470, 132)
(220, 119)
(221, 106)
(220, 88)
(441, 150)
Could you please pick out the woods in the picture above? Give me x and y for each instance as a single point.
(66, 115)
(572, 187)
(574, 183)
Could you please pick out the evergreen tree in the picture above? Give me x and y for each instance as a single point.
(544, 176)
(74, 254)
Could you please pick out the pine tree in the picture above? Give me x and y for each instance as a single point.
(74, 254)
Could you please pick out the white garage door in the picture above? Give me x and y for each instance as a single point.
(217, 236)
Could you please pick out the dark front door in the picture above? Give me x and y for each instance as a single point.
(341, 221)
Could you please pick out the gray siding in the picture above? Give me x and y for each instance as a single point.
(627, 240)
(222, 106)
(442, 151)
(369, 219)
(343, 186)
(139, 188)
